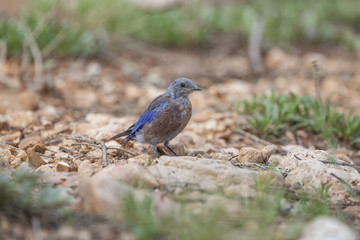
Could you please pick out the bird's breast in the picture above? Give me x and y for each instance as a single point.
(169, 122)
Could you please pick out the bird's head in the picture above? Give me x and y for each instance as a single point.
(181, 87)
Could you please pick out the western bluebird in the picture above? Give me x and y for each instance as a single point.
(166, 116)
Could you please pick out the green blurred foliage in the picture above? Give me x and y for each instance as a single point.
(274, 114)
(255, 218)
(84, 27)
(24, 193)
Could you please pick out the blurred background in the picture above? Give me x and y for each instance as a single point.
(47, 44)
(114, 56)
(283, 72)
(87, 27)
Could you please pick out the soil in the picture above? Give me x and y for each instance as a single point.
(121, 83)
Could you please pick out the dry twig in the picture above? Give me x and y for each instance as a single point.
(54, 43)
(316, 77)
(341, 164)
(82, 140)
(36, 53)
(255, 166)
(347, 185)
(3, 52)
(255, 41)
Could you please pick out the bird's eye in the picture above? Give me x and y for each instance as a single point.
(182, 85)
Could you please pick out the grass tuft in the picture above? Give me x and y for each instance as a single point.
(274, 114)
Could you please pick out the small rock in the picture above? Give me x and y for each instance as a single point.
(4, 125)
(48, 153)
(34, 158)
(45, 169)
(5, 157)
(22, 155)
(66, 143)
(143, 159)
(32, 142)
(73, 167)
(61, 155)
(16, 162)
(268, 150)
(62, 167)
(19, 158)
(325, 228)
(250, 154)
(94, 154)
(344, 158)
(306, 167)
(131, 173)
(259, 155)
(22, 119)
(101, 194)
(85, 168)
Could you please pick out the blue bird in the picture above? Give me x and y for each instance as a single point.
(166, 116)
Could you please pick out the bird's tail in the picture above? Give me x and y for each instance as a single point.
(127, 132)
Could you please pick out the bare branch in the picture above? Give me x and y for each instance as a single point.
(3, 52)
(255, 41)
(54, 43)
(255, 166)
(341, 164)
(82, 140)
(316, 77)
(347, 185)
(23, 66)
(8, 81)
(121, 149)
(36, 53)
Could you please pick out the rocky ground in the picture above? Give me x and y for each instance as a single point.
(43, 120)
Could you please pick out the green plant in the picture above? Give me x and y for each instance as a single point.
(310, 205)
(273, 212)
(274, 114)
(23, 193)
(85, 27)
(140, 219)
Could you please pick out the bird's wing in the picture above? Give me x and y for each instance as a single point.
(157, 106)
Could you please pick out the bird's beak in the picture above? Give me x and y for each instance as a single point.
(196, 89)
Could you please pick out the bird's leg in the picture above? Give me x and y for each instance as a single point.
(156, 150)
(167, 145)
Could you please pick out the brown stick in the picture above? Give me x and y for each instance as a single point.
(82, 140)
(341, 164)
(254, 45)
(36, 53)
(350, 188)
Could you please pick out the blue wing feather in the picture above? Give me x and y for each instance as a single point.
(147, 117)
